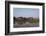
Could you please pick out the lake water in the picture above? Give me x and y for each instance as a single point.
(27, 24)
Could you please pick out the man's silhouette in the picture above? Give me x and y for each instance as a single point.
(14, 20)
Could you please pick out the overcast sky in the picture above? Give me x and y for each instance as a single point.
(26, 12)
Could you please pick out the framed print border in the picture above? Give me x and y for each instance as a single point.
(7, 17)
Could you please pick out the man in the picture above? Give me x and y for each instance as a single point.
(14, 20)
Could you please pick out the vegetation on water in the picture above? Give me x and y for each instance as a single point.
(21, 20)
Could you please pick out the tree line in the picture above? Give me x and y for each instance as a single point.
(21, 20)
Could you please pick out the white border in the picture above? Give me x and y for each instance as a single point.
(29, 28)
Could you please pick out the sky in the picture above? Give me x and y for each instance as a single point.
(26, 12)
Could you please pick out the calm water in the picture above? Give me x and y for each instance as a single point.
(27, 24)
